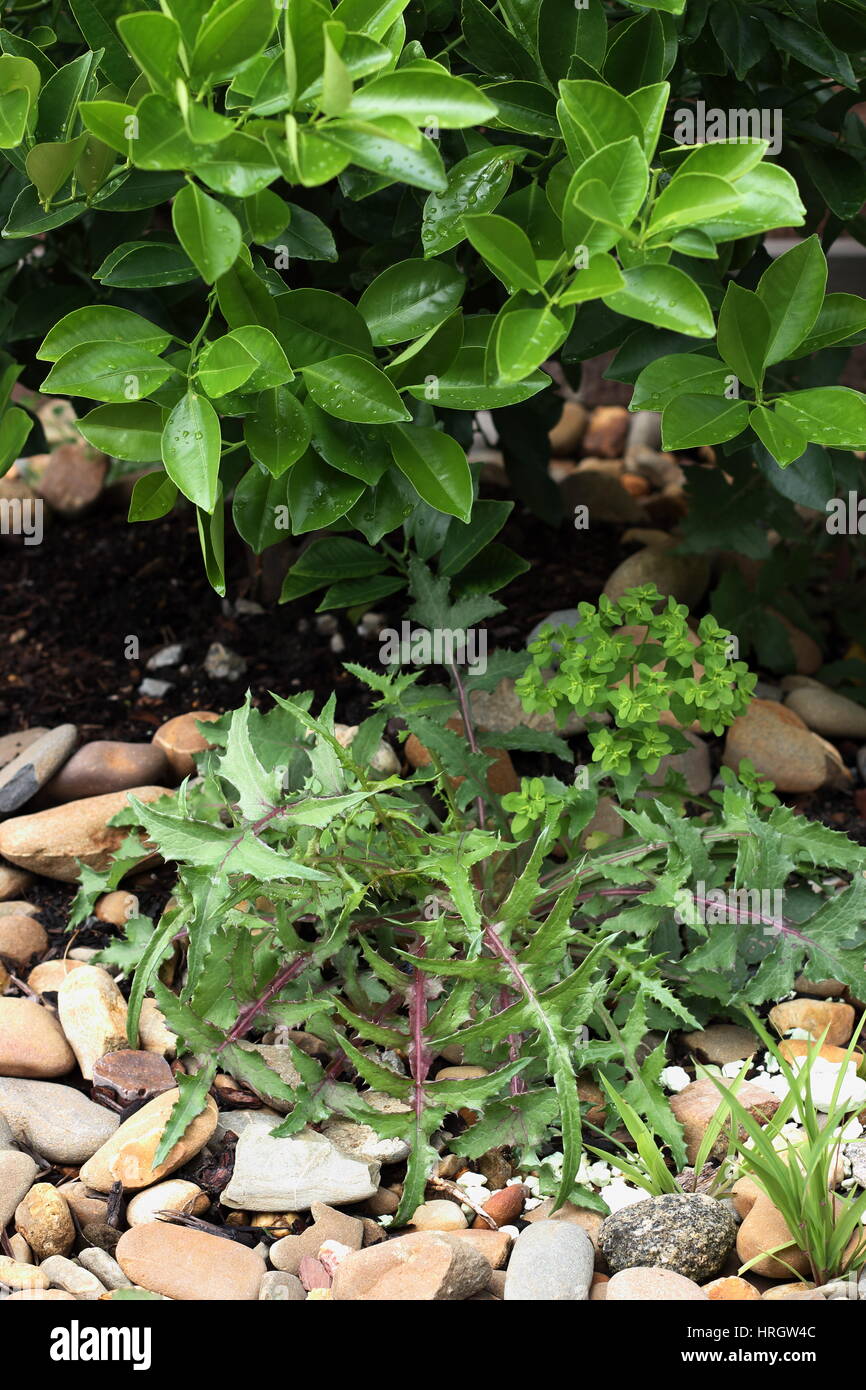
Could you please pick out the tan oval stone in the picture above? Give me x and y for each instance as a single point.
(731, 1290)
(51, 842)
(32, 1042)
(92, 1014)
(813, 1016)
(128, 1155)
(21, 1276)
(695, 1106)
(179, 740)
(779, 744)
(175, 1195)
(464, 1073)
(764, 1229)
(45, 1221)
(21, 938)
(99, 768)
(643, 1284)
(41, 1296)
(116, 908)
(154, 1034)
(48, 975)
(13, 881)
(187, 1264)
(438, 1216)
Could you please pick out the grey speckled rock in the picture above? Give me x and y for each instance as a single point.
(23, 776)
(290, 1174)
(59, 1122)
(17, 1175)
(689, 1233)
(552, 1261)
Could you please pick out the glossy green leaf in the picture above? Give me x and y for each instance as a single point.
(689, 421)
(232, 32)
(209, 234)
(833, 415)
(315, 323)
(596, 116)
(113, 372)
(225, 365)
(690, 200)
(410, 298)
(506, 249)
(132, 431)
(191, 445)
(743, 334)
(600, 277)
(436, 466)
(153, 496)
(526, 338)
(665, 296)
(352, 388)
(319, 495)
(680, 372)
(278, 433)
(564, 28)
(419, 96)
(272, 366)
(256, 506)
(101, 323)
(784, 440)
(146, 264)
(475, 184)
(153, 39)
(792, 290)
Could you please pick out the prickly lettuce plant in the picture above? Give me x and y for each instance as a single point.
(395, 917)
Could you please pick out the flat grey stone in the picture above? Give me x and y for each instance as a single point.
(23, 776)
(7, 1138)
(290, 1174)
(551, 1261)
(59, 1122)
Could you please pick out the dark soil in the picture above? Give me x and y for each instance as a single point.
(69, 607)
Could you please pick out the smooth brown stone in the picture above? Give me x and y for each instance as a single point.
(133, 1075)
(493, 1245)
(179, 739)
(128, 1155)
(70, 478)
(48, 975)
(764, 1229)
(188, 1264)
(13, 881)
(85, 1207)
(32, 1042)
(427, 1266)
(640, 1284)
(815, 1016)
(51, 842)
(116, 908)
(21, 938)
(505, 1206)
(105, 766)
(695, 1106)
